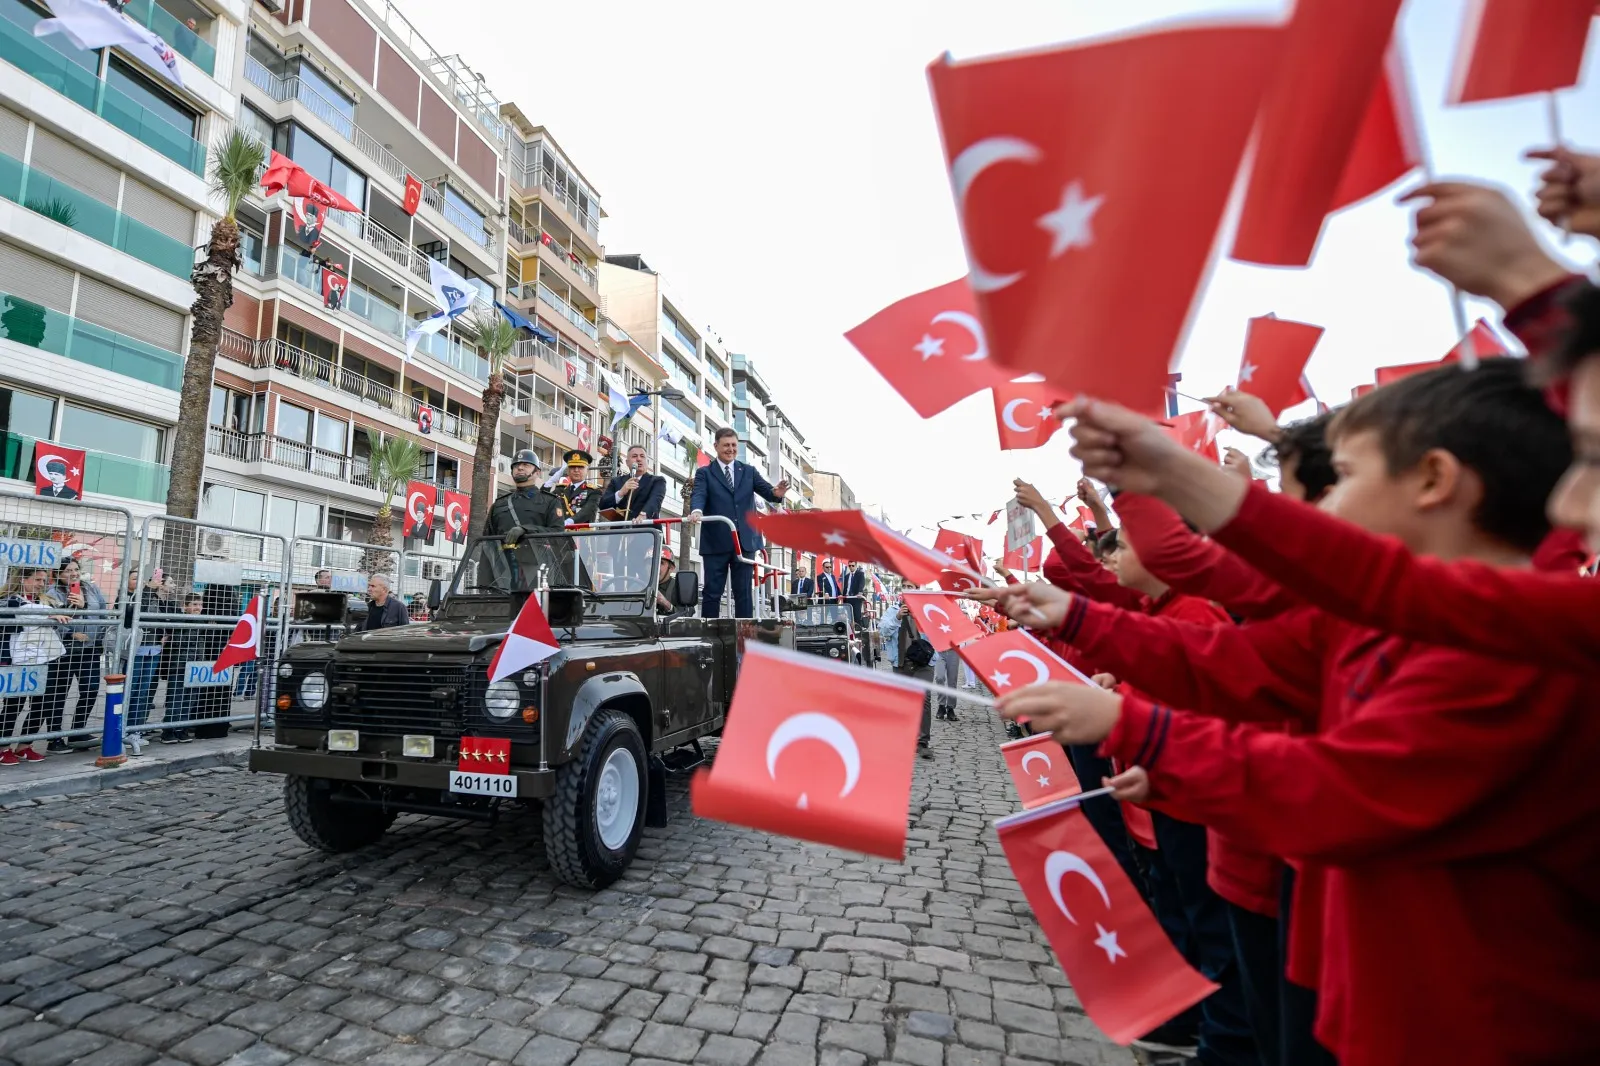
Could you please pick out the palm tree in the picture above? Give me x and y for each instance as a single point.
(692, 450)
(236, 163)
(394, 461)
(495, 337)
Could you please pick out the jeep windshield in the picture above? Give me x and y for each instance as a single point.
(616, 570)
(823, 617)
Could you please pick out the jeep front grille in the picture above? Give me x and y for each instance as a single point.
(395, 698)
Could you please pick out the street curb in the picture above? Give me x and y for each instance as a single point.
(130, 773)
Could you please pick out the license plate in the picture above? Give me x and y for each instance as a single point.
(500, 785)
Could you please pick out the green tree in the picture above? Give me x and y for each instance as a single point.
(394, 461)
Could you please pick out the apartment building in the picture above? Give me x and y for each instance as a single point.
(832, 493)
(635, 370)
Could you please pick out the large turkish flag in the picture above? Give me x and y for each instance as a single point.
(1516, 47)
(1127, 974)
(816, 751)
(959, 546)
(1024, 414)
(857, 536)
(1062, 165)
(930, 348)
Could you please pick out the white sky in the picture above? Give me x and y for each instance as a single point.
(781, 167)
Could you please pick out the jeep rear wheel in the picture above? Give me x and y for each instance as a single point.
(593, 822)
(326, 825)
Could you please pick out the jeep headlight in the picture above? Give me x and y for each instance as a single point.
(314, 690)
(502, 699)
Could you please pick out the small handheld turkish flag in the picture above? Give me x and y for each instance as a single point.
(967, 549)
(1276, 351)
(1059, 161)
(244, 643)
(1197, 431)
(529, 641)
(1040, 770)
(1013, 659)
(930, 348)
(940, 620)
(791, 760)
(859, 537)
(1028, 558)
(1126, 972)
(1480, 342)
(1514, 47)
(1025, 414)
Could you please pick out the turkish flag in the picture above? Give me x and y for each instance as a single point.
(528, 642)
(1516, 47)
(1024, 413)
(1003, 660)
(457, 516)
(1387, 146)
(244, 643)
(1311, 125)
(930, 348)
(1084, 521)
(1040, 770)
(1480, 342)
(285, 174)
(863, 539)
(1197, 431)
(702, 460)
(792, 759)
(484, 755)
(421, 499)
(993, 518)
(967, 549)
(1028, 558)
(940, 619)
(1114, 953)
(413, 198)
(58, 471)
(1276, 351)
(1061, 162)
(334, 283)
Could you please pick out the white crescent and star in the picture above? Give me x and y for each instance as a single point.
(956, 581)
(835, 538)
(453, 515)
(1030, 756)
(1000, 680)
(1247, 372)
(248, 619)
(971, 324)
(1008, 416)
(411, 506)
(814, 725)
(1060, 863)
(964, 170)
(1032, 660)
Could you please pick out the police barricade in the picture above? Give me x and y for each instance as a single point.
(63, 566)
(329, 581)
(418, 571)
(196, 581)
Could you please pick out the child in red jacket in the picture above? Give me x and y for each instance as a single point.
(1443, 803)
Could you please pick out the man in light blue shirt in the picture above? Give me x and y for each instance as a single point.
(889, 631)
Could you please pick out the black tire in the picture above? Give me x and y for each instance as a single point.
(308, 801)
(572, 834)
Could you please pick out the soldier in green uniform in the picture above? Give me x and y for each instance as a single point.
(525, 509)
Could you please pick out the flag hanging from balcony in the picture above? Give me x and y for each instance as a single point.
(308, 219)
(457, 516)
(454, 295)
(422, 498)
(334, 283)
(413, 198)
(90, 24)
(424, 419)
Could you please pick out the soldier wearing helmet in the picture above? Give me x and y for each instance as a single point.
(526, 508)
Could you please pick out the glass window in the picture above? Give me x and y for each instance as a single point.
(321, 163)
(27, 414)
(268, 56)
(249, 509)
(462, 204)
(294, 518)
(294, 423)
(216, 505)
(83, 427)
(239, 419)
(331, 433)
(308, 520)
(146, 94)
(255, 124)
(251, 248)
(280, 517)
(219, 406)
(319, 83)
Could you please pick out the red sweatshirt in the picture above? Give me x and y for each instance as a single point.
(1548, 618)
(1073, 567)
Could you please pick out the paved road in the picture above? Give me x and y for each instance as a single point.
(182, 921)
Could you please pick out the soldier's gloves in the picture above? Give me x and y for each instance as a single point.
(513, 535)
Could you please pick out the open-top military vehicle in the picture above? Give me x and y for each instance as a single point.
(827, 629)
(404, 719)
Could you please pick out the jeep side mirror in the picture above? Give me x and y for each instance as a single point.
(435, 594)
(685, 589)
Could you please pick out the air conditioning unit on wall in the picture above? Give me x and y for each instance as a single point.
(435, 571)
(213, 543)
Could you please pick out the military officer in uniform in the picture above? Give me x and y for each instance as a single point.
(577, 501)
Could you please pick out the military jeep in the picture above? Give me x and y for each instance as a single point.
(828, 629)
(404, 720)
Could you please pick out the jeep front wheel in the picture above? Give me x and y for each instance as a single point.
(593, 822)
(326, 826)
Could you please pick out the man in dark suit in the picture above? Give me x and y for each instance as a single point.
(638, 495)
(729, 488)
(855, 591)
(828, 589)
(803, 585)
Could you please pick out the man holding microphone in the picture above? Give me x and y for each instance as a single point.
(638, 495)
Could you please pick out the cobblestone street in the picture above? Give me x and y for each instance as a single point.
(181, 920)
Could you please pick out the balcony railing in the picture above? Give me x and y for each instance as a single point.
(680, 338)
(294, 88)
(55, 63)
(568, 312)
(284, 357)
(587, 220)
(534, 349)
(114, 475)
(183, 40)
(27, 323)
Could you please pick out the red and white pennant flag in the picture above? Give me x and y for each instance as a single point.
(244, 643)
(529, 641)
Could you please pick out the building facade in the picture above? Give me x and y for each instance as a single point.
(832, 493)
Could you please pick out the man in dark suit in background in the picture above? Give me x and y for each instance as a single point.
(827, 585)
(854, 585)
(803, 585)
(728, 488)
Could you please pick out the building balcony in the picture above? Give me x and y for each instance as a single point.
(75, 209)
(550, 251)
(556, 366)
(280, 357)
(670, 329)
(562, 308)
(186, 42)
(58, 65)
(29, 324)
(294, 459)
(113, 475)
(544, 185)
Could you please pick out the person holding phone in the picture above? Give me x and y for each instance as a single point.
(85, 639)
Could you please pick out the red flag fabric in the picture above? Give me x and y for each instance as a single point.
(791, 758)
(940, 619)
(58, 471)
(244, 642)
(859, 537)
(1276, 351)
(457, 516)
(1083, 521)
(959, 546)
(528, 641)
(1061, 162)
(334, 283)
(413, 198)
(1197, 431)
(280, 168)
(930, 348)
(1029, 557)
(1040, 770)
(284, 173)
(422, 498)
(1387, 146)
(1024, 413)
(1114, 953)
(1003, 660)
(1480, 341)
(1310, 123)
(702, 460)
(1516, 47)
(994, 517)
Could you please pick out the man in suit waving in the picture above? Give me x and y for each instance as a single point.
(728, 488)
